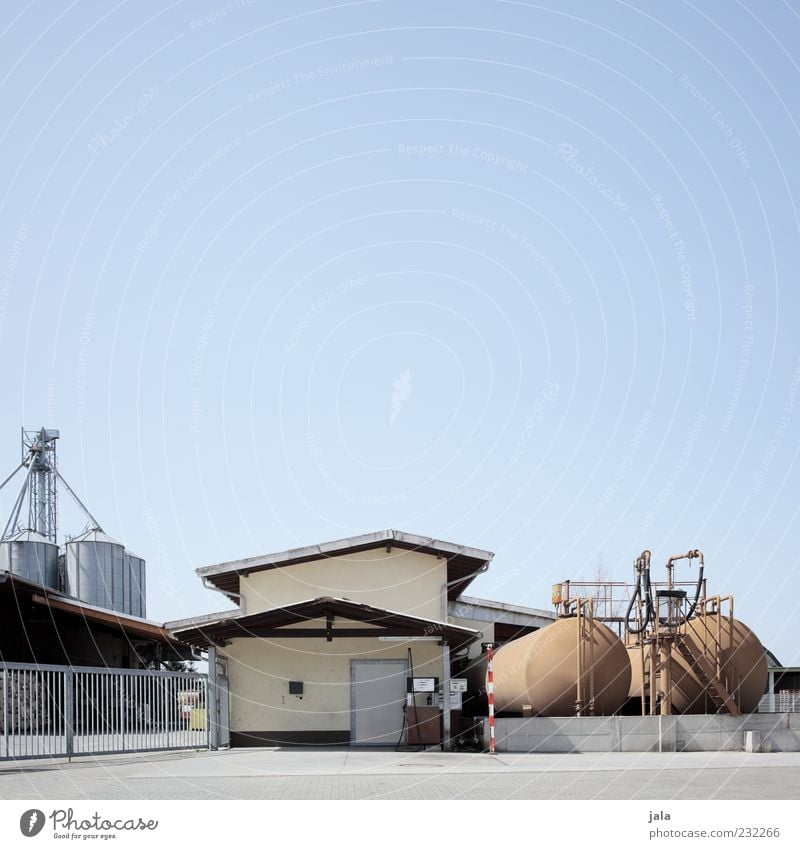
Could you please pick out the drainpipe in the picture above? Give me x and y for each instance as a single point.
(227, 593)
(446, 741)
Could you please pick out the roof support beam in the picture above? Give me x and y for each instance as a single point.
(322, 633)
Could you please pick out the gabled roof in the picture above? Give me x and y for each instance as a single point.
(269, 623)
(463, 562)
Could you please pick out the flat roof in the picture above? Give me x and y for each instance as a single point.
(505, 607)
(463, 562)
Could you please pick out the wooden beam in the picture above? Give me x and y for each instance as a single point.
(319, 633)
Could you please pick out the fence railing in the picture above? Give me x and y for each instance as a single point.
(784, 701)
(59, 711)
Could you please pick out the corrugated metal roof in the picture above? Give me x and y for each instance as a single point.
(95, 536)
(29, 536)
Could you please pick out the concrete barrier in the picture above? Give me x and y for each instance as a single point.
(768, 732)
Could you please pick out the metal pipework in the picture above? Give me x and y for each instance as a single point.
(692, 554)
(643, 594)
(238, 596)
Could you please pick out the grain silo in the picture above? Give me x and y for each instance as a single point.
(136, 598)
(96, 569)
(31, 556)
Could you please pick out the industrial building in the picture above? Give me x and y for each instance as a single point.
(371, 640)
(365, 641)
(327, 638)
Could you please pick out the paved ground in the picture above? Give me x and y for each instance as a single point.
(348, 774)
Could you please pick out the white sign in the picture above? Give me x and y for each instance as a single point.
(458, 685)
(424, 685)
(455, 701)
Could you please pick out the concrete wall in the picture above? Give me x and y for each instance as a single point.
(773, 732)
(486, 628)
(259, 671)
(404, 581)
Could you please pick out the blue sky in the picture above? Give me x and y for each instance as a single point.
(519, 276)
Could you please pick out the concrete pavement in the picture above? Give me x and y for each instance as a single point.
(359, 774)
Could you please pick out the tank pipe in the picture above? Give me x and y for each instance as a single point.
(698, 554)
(579, 660)
(690, 555)
(591, 657)
(79, 502)
(642, 592)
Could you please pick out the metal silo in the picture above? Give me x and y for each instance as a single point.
(95, 565)
(135, 577)
(30, 556)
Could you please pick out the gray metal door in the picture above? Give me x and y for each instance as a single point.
(377, 695)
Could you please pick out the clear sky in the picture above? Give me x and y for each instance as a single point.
(520, 276)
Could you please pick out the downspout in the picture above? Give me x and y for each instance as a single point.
(448, 584)
(227, 593)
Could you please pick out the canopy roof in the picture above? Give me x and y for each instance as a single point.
(373, 622)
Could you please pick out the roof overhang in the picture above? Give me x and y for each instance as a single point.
(132, 626)
(463, 562)
(485, 610)
(281, 622)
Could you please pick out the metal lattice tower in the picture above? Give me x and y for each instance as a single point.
(40, 488)
(39, 455)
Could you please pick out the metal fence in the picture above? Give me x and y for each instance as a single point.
(59, 711)
(784, 701)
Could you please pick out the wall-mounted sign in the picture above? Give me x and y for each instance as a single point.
(458, 685)
(455, 701)
(422, 685)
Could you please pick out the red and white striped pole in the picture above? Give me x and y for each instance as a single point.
(490, 695)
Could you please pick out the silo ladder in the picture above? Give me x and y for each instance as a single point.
(708, 678)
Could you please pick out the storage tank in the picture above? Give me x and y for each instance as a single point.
(95, 566)
(31, 556)
(541, 670)
(743, 665)
(135, 596)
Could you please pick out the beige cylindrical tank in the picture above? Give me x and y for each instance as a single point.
(541, 670)
(744, 665)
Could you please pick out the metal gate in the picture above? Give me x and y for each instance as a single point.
(61, 711)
